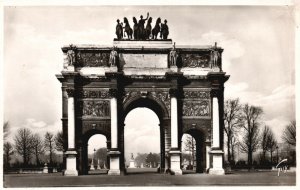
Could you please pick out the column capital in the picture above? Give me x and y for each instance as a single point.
(113, 92)
(215, 93)
(71, 92)
(174, 92)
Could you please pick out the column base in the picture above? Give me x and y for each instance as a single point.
(114, 163)
(114, 172)
(71, 173)
(175, 162)
(217, 162)
(216, 171)
(71, 164)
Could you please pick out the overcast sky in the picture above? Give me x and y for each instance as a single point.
(258, 53)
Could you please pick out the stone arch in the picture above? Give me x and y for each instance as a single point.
(200, 137)
(158, 108)
(85, 138)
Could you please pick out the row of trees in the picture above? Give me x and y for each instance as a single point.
(147, 159)
(242, 128)
(31, 145)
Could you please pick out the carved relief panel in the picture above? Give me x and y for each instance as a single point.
(94, 108)
(196, 103)
(196, 60)
(93, 103)
(95, 59)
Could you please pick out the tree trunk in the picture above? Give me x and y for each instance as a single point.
(271, 157)
(228, 149)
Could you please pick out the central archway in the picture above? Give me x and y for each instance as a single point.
(160, 112)
(142, 141)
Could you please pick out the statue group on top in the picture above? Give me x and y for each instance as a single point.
(139, 31)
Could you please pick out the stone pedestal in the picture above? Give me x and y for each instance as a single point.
(217, 162)
(131, 164)
(45, 169)
(71, 164)
(92, 165)
(175, 162)
(114, 163)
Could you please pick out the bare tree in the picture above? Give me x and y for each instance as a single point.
(38, 148)
(264, 141)
(8, 151)
(49, 145)
(289, 134)
(5, 129)
(271, 144)
(190, 146)
(250, 142)
(59, 141)
(233, 121)
(23, 144)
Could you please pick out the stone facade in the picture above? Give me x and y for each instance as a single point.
(182, 85)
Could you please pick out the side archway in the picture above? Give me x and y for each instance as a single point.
(199, 137)
(85, 139)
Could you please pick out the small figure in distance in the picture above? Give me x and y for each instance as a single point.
(135, 28)
(119, 30)
(127, 28)
(164, 30)
(156, 28)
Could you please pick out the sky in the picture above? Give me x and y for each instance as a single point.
(258, 44)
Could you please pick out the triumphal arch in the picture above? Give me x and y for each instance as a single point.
(183, 85)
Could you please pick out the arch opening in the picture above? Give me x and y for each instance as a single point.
(96, 158)
(193, 152)
(143, 118)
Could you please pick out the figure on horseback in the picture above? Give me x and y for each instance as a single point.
(148, 28)
(164, 31)
(135, 28)
(156, 28)
(127, 28)
(119, 30)
(141, 30)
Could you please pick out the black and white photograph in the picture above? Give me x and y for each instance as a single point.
(120, 94)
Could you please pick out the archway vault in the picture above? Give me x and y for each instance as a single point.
(183, 86)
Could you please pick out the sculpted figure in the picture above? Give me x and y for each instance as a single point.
(156, 28)
(128, 29)
(141, 30)
(173, 56)
(119, 30)
(215, 56)
(164, 30)
(135, 28)
(148, 28)
(71, 57)
(113, 57)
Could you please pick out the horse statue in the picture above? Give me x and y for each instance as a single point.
(148, 28)
(164, 31)
(119, 30)
(156, 29)
(135, 28)
(127, 28)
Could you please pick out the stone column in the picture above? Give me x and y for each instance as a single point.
(114, 152)
(175, 152)
(216, 151)
(71, 160)
(207, 150)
